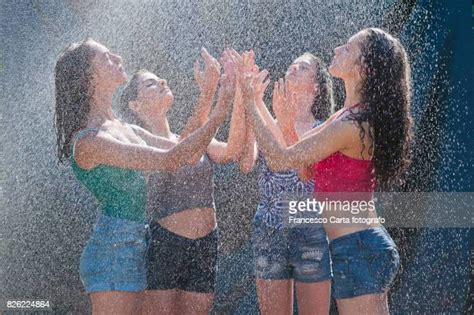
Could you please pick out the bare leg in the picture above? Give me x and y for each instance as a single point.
(275, 296)
(313, 298)
(116, 302)
(161, 301)
(364, 304)
(194, 302)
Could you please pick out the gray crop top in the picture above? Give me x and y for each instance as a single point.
(187, 188)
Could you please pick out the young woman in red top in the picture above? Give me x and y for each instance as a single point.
(364, 144)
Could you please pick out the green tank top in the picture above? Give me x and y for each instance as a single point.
(121, 192)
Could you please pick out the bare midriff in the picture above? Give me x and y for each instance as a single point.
(191, 223)
(335, 226)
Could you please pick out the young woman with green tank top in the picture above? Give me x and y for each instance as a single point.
(110, 157)
(183, 238)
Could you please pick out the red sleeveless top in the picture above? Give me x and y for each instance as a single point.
(341, 173)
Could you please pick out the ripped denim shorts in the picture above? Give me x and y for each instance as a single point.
(301, 254)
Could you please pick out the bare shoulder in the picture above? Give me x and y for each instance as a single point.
(353, 131)
(347, 120)
(148, 136)
(88, 145)
(342, 126)
(94, 139)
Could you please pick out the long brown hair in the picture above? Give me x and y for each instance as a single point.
(323, 105)
(386, 96)
(130, 93)
(73, 89)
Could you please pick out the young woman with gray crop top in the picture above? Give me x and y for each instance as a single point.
(182, 250)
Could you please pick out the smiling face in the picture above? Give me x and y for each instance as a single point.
(302, 79)
(301, 75)
(154, 97)
(107, 67)
(346, 63)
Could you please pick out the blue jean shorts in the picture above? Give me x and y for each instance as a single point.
(301, 254)
(114, 257)
(364, 262)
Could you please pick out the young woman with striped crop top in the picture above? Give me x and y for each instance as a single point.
(287, 258)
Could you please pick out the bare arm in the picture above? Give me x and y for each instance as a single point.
(219, 152)
(287, 127)
(250, 151)
(200, 114)
(270, 122)
(323, 125)
(336, 136)
(284, 106)
(291, 136)
(207, 81)
(105, 149)
(153, 140)
(222, 152)
(250, 154)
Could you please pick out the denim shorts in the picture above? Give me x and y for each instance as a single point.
(364, 262)
(114, 257)
(301, 254)
(177, 262)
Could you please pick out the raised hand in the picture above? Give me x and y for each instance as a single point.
(226, 93)
(247, 74)
(207, 79)
(245, 61)
(228, 79)
(260, 83)
(228, 55)
(283, 102)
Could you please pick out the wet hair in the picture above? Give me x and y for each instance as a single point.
(386, 97)
(73, 92)
(130, 93)
(323, 105)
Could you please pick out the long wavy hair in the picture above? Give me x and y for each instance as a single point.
(73, 89)
(323, 105)
(386, 97)
(130, 93)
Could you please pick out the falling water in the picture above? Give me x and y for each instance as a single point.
(47, 215)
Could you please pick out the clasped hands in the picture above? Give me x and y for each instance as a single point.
(242, 80)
